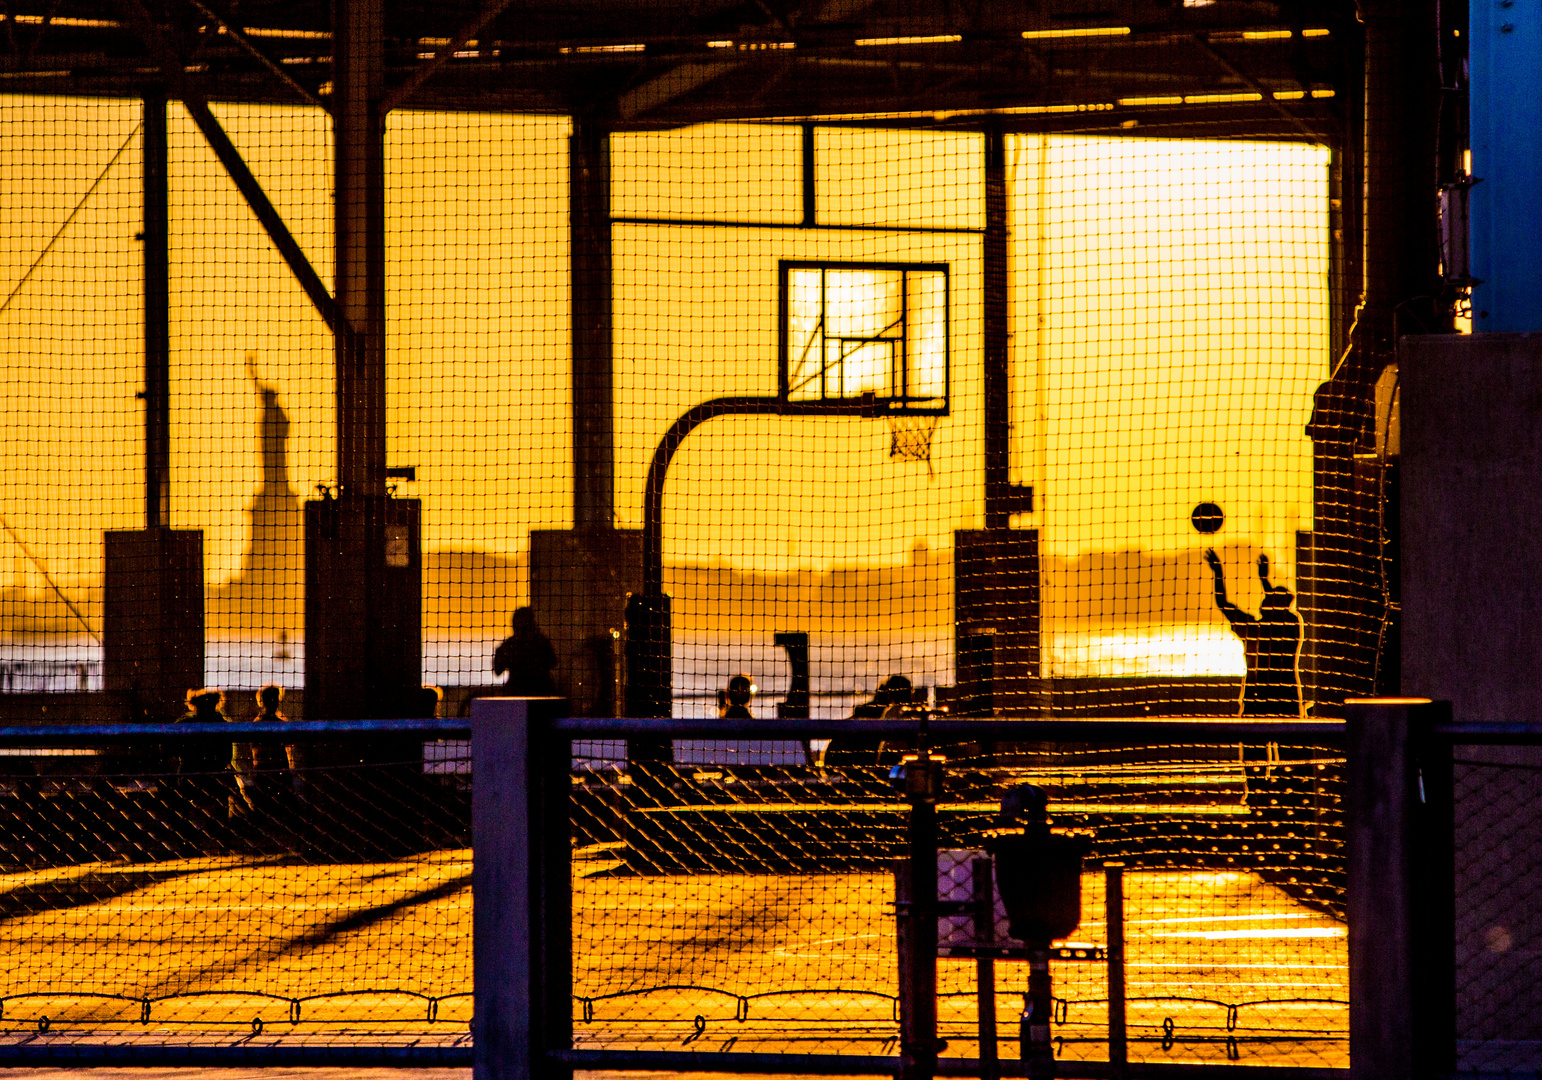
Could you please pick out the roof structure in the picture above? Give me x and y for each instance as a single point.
(1177, 67)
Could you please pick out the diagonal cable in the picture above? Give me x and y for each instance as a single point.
(67, 221)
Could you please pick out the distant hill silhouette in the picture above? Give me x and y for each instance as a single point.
(474, 592)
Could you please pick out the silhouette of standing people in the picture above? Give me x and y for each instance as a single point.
(733, 703)
(1272, 641)
(527, 656)
(892, 697)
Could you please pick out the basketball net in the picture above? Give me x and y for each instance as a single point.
(910, 438)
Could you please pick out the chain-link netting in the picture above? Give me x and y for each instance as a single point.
(1003, 412)
(1156, 311)
(746, 902)
(1497, 857)
(193, 891)
(319, 894)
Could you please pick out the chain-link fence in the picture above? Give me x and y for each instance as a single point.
(311, 892)
(1497, 857)
(1129, 328)
(192, 892)
(742, 898)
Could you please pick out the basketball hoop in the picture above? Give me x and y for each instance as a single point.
(910, 437)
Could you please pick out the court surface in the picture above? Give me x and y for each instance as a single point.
(1220, 965)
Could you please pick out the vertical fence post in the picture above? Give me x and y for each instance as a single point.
(920, 777)
(1399, 1012)
(521, 889)
(1118, 1042)
(983, 879)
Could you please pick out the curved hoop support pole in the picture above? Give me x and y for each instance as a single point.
(689, 421)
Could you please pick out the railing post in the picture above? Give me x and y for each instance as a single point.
(1400, 967)
(919, 779)
(1118, 1040)
(521, 889)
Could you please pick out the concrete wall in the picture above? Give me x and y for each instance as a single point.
(1472, 588)
(1472, 523)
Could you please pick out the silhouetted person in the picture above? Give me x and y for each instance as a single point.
(733, 702)
(268, 756)
(1271, 642)
(206, 798)
(265, 786)
(204, 706)
(892, 696)
(526, 654)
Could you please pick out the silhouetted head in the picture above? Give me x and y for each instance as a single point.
(740, 690)
(1276, 600)
(269, 697)
(206, 703)
(894, 689)
(429, 698)
(523, 621)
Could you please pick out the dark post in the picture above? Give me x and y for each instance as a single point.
(994, 273)
(796, 704)
(983, 880)
(1357, 623)
(521, 889)
(363, 562)
(359, 151)
(649, 677)
(1038, 1005)
(810, 189)
(1401, 1020)
(920, 780)
(589, 229)
(1118, 1044)
(157, 305)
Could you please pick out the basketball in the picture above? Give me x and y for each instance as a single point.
(1207, 518)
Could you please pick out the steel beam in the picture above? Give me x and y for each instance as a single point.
(174, 71)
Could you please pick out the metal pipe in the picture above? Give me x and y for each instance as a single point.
(863, 1065)
(689, 421)
(253, 731)
(157, 318)
(1118, 1040)
(1132, 732)
(983, 879)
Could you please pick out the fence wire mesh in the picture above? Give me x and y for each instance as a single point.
(197, 892)
(1164, 311)
(1497, 856)
(810, 415)
(743, 904)
(187, 893)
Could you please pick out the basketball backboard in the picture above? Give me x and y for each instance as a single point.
(876, 331)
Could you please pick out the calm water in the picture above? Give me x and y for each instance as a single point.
(845, 669)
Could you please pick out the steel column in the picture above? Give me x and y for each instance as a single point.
(994, 272)
(593, 404)
(157, 318)
(359, 161)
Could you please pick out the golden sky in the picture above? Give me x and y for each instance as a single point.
(1168, 320)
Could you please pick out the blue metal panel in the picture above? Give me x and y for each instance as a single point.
(1505, 53)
